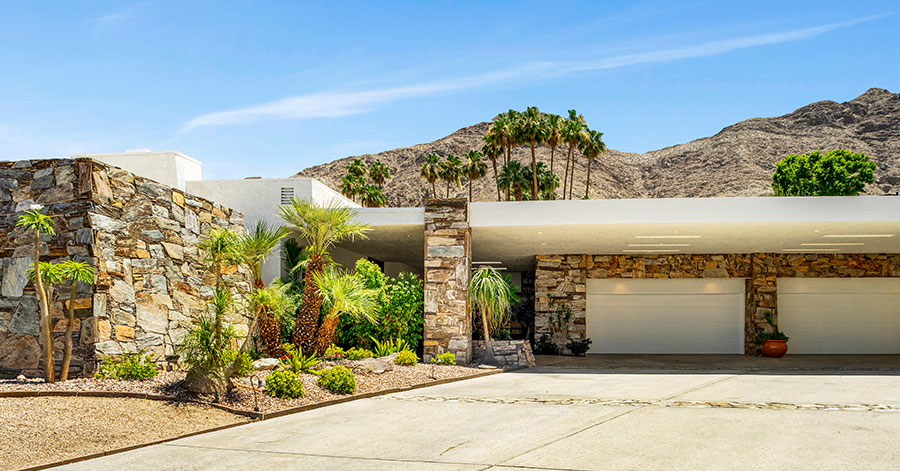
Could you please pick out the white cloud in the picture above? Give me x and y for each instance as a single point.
(338, 103)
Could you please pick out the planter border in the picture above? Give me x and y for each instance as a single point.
(253, 416)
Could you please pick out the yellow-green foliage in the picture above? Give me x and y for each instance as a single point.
(284, 384)
(406, 358)
(131, 366)
(358, 354)
(445, 359)
(337, 379)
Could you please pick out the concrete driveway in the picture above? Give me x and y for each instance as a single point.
(577, 417)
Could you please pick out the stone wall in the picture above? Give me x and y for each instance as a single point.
(508, 353)
(448, 322)
(139, 235)
(560, 280)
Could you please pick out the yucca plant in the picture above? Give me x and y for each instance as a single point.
(40, 223)
(73, 272)
(492, 296)
(389, 346)
(342, 293)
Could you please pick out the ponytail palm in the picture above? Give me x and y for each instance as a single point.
(73, 272)
(342, 293)
(493, 297)
(39, 223)
(321, 226)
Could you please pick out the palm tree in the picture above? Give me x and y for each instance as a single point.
(341, 294)
(431, 171)
(256, 246)
(555, 124)
(475, 168)
(492, 152)
(73, 272)
(512, 179)
(373, 196)
(591, 147)
(268, 305)
(379, 173)
(220, 249)
(451, 171)
(351, 187)
(321, 226)
(572, 136)
(39, 223)
(531, 127)
(357, 168)
(492, 296)
(548, 182)
(501, 133)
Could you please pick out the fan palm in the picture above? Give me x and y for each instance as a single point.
(492, 296)
(269, 304)
(532, 128)
(475, 168)
(431, 171)
(341, 294)
(548, 182)
(571, 135)
(351, 186)
(555, 124)
(373, 196)
(73, 272)
(451, 171)
(256, 246)
(357, 168)
(512, 178)
(379, 173)
(321, 226)
(492, 152)
(591, 147)
(40, 223)
(501, 132)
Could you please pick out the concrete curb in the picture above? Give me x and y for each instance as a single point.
(254, 416)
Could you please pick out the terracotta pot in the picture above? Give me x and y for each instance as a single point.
(774, 348)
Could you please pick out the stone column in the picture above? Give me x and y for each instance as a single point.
(448, 322)
(762, 299)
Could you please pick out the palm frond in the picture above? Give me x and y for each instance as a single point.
(322, 226)
(343, 293)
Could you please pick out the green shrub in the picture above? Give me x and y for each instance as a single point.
(383, 349)
(337, 379)
(244, 365)
(358, 354)
(444, 359)
(294, 360)
(545, 347)
(406, 358)
(284, 384)
(579, 347)
(400, 316)
(130, 366)
(333, 353)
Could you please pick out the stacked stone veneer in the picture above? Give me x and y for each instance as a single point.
(560, 280)
(139, 235)
(448, 322)
(508, 353)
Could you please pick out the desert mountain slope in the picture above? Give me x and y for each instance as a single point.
(738, 161)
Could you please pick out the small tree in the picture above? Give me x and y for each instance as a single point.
(837, 173)
(73, 272)
(342, 293)
(40, 224)
(490, 293)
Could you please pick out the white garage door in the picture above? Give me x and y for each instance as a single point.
(840, 315)
(666, 315)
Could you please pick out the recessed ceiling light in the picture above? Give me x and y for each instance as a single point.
(661, 244)
(856, 236)
(816, 230)
(543, 243)
(540, 232)
(650, 251)
(811, 250)
(667, 237)
(831, 244)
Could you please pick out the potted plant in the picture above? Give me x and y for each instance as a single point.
(772, 344)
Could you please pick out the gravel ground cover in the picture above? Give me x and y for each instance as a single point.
(50, 429)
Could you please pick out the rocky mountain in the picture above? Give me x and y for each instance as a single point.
(738, 161)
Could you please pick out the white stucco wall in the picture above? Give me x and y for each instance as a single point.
(167, 167)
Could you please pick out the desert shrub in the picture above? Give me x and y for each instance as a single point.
(130, 366)
(401, 312)
(358, 354)
(294, 360)
(579, 347)
(284, 384)
(406, 358)
(389, 346)
(203, 349)
(244, 363)
(338, 379)
(444, 359)
(333, 353)
(544, 346)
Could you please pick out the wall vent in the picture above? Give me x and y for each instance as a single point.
(286, 195)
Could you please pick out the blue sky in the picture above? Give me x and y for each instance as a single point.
(269, 88)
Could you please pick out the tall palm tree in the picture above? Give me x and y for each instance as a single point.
(357, 168)
(73, 272)
(591, 147)
(492, 152)
(571, 135)
(40, 223)
(373, 196)
(512, 178)
(379, 173)
(548, 182)
(451, 171)
(555, 124)
(351, 187)
(500, 132)
(532, 128)
(492, 296)
(475, 168)
(256, 246)
(268, 305)
(321, 226)
(341, 294)
(431, 171)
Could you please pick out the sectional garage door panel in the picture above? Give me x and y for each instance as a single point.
(666, 316)
(840, 315)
